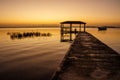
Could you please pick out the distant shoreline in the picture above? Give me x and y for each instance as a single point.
(29, 27)
(58, 27)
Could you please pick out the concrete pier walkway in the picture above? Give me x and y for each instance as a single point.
(89, 59)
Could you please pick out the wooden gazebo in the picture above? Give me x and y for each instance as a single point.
(70, 23)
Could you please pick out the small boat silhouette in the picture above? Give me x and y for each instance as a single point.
(102, 28)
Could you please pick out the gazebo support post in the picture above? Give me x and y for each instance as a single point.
(84, 27)
(70, 32)
(80, 28)
(62, 32)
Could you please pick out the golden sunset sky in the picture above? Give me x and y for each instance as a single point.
(94, 12)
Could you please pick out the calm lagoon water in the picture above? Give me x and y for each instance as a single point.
(37, 57)
(111, 37)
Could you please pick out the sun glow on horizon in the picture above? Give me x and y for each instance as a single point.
(93, 12)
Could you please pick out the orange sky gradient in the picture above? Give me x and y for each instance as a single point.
(94, 12)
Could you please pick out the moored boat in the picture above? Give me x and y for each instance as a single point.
(102, 28)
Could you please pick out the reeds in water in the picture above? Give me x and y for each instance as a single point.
(18, 35)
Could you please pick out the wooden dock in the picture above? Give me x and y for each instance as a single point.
(89, 59)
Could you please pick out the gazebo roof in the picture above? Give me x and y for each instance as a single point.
(73, 22)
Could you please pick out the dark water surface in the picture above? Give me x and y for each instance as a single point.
(37, 57)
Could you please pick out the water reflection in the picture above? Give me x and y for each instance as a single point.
(37, 59)
(67, 36)
(18, 35)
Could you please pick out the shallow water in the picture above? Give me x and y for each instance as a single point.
(37, 57)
